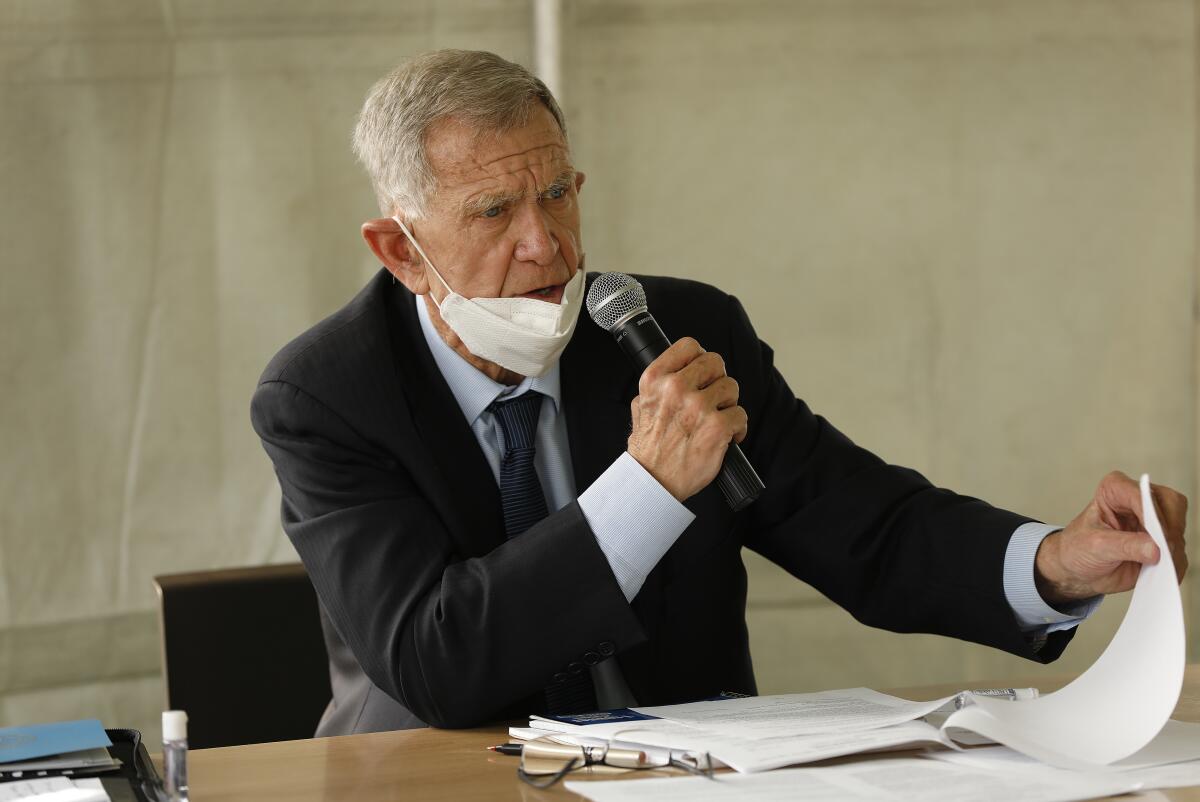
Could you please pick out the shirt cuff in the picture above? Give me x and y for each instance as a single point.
(635, 520)
(1034, 616)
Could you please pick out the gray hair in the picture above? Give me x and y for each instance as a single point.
(476, 87)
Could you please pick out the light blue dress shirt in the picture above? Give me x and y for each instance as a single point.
(633, 517)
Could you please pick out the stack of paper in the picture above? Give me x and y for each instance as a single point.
(53, 789)
(897, 779)
(759, 733)
(1107, 732)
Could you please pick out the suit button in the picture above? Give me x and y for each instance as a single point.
(606, 648)
(591, 658)
(561, 676)
(575, 667)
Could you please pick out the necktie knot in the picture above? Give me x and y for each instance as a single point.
(518, 419)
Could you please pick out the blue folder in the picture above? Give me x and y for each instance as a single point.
(40, 740)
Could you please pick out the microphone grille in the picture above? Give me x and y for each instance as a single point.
(613, 297)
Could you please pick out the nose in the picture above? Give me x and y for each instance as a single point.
(535, 241)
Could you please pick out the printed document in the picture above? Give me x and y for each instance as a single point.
(1114, 717)
(53, 789)
(899, 779)
(798, 713)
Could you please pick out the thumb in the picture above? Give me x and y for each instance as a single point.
(1116, 546)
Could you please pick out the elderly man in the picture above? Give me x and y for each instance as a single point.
(501, 516)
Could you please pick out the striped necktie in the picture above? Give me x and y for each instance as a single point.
(520, 491)
(524, 505)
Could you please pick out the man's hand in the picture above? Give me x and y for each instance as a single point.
(684, 418)
(1102, 550)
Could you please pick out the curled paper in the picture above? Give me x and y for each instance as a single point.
(1123, 701)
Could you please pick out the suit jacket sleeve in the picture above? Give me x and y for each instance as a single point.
(454, 640)
(877, 539)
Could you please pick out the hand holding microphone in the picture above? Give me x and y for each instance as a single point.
(686, 421)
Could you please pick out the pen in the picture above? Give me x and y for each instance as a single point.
(1012, 694)
(507, 749)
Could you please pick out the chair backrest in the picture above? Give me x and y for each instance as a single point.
(243, 654)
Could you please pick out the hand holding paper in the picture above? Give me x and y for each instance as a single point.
(1103, 549)
(1121, 703)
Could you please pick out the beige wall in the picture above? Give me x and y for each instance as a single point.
(966, 228)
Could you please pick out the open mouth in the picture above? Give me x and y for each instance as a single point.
(552, 293)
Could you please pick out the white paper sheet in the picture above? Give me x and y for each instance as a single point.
(898, 779)
(1178, 742)
(824, 713)
(750, 754)
(764, 754)
(53, 789)
(1120, 704)
(1005, 760)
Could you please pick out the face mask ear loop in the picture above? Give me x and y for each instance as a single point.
(421, 251)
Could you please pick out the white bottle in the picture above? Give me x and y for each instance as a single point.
(174, 730)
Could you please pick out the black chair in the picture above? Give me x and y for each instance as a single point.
(243, 654)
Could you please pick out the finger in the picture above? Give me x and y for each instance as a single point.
(742, 431)
(703, 370)
(1158, 511)
(1109, 545)
(1172, 509)
(1179, 558)
(674, 359)
(1120, 501)
(736, 423)
(722, 393)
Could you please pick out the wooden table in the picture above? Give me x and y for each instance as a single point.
(430, 764)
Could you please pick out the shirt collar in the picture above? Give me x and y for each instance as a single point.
(471, 388)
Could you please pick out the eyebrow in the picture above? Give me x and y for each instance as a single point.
(481, 203)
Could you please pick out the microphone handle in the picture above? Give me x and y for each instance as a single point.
(642, 341)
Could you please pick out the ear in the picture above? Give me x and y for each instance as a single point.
(579, 179)
(396, 253)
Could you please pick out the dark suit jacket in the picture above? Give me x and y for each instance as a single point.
(431, 616)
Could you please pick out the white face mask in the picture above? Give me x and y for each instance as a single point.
(524, 335)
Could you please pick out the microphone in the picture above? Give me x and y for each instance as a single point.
(617, 303)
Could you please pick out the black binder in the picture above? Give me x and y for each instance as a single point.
(137, 780)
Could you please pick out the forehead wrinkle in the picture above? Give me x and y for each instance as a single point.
(463, 156)
(469, 164)
(524, 174)
(484, 200)
(513, 163)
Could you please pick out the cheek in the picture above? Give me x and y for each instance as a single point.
(567, 229)
(480, 268)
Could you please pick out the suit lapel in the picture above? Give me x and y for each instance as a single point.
(460, 483)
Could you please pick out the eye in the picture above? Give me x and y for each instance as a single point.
(493, 211)
(556, 192)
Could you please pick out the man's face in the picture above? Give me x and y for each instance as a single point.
(504, 217)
